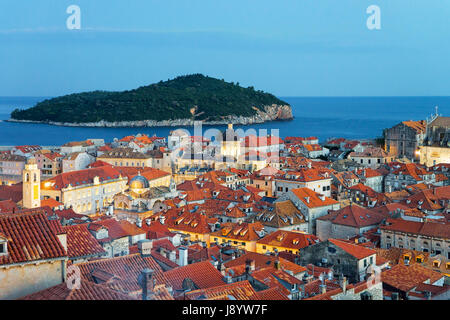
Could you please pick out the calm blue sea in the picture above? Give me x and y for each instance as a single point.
(348, 117)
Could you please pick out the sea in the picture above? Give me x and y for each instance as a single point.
(323, 117)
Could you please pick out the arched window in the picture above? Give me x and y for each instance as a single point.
(27, 177)
(34, 177)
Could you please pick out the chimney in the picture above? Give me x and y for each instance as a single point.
(227, 279)
(323, 288)
(173, 256)
(183, 256)
(307, 199)
(343, 284)
(276, 264)
(148, 221)
(145, 247)
(162, 219)
(147, 283)
(139, 222)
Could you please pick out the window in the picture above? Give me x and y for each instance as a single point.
(2, 248)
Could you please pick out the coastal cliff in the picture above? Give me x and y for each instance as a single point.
(269, 113)
(177, 102)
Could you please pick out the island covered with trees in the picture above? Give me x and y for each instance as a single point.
(192, 97)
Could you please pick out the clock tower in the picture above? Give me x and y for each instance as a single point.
(31, 179)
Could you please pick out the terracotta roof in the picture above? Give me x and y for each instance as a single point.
(431, 229)
(355, 216)
(280, 214)
(8, 206)
(203, 274)
(272, 294)
(288, 239)
(80, 177)
(429, 199)
(368, 173)
(13, 192)
(147, 172)
(262, 261)
(359, 252)
(193, 222)
(418, 126)
(50, 202)
(304, 175)
(123, 153)
(85, 143)
(241, 290)
(274, 278)
(81, 243)
(86, 291)
(28, 148)
(239, 231)
(370, 152)
(12, 157)
(122, 272)
(117, 229)
(30, 238)
(406, 277)
(98, 163)
(313, 199)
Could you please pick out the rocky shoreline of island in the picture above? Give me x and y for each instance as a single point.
(271, 113)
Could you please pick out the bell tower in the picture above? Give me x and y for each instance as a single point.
(31, 180)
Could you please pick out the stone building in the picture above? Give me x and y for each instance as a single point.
(348, 222)
(86, 191)
(404, 139)
(126, 157)
(312, 205)
(371, 157)
(421, 236)
(11, 166)
(436, 145)
(49, 162)
(351, 260)
(76, 161)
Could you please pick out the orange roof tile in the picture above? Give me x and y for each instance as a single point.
(359, 252)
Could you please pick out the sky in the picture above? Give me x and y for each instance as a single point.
(286, 47)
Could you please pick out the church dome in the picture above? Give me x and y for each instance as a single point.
(139, 182)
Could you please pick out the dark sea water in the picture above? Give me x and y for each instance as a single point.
(348, 117)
